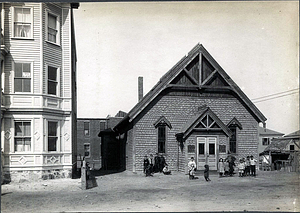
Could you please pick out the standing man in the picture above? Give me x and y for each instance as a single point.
(252, 166)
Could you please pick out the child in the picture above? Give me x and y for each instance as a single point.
(221, 167)
(166, 170)
(252, 166)
(146, 163)
(192, 168)
(241, 167)
(247, 166)
(226, 167)
(206, 172)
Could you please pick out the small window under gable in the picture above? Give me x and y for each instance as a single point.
(162, 121)
(161, 125)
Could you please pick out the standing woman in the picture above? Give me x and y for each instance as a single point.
(221, 167)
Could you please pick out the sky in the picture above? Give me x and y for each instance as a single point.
(256, 43)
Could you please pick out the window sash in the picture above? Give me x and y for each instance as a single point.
(232, 141)
(22, 79)
(87, 150)
(53, 28)
(86, 128)
(52, 136)
(22, 136)
(162, 139)
(266, 141)
(22, 22)
(52, 80)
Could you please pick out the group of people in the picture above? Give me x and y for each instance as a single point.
(155, 164)
(192, 168)
(246, 167)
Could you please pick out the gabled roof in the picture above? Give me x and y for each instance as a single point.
(198, 71)
(278, 145)
(293, 135)
(194, 122)
(234, 121)
(162, 120)
(264, 131)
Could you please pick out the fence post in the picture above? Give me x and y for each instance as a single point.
(83, 175)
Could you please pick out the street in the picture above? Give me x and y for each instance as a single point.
(269, 191)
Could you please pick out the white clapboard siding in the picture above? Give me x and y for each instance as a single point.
(66, 43)
(20, 46)
(52, 52)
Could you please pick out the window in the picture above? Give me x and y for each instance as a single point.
(222, 148)
(22, 22)
(87, 150)
(22, 136)
(53, 26)
(102, 125)
(232, 140)
(191, 148)
(266, 141)
(211, 149)
(162, 139)
(22, 81)
(52, 136)
(292, 147)
(201, 148)
(52, 80)
(86, 128)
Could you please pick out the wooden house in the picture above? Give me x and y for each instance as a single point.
(195, 109)
(265, 138)
(284, 151)
(38, 77)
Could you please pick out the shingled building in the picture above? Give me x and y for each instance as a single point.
(196, 110)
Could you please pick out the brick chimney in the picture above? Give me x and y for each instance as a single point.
(140, 88)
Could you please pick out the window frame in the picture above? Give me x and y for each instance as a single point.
(231, 141)
(13, 22)
(16, 137)
(89, 128)
(57, 136)
(57, 42)
(263, 141)
(57, 80)
(14, 76)
(84, 151)
(160, 126)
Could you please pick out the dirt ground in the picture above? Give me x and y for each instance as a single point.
(125, 191)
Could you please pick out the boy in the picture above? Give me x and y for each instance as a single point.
(252, 166)
(206, 172)
(192, 167)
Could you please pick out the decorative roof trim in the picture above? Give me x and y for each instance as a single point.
(162, 121)
(186, 131)
(234, 121)
(177, 68)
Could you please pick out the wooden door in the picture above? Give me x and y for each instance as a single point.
(206, 152)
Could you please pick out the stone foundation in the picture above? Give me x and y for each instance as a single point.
(22, 176)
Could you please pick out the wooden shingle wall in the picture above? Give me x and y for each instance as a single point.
(178, 109)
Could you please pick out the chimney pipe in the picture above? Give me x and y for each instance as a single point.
(140, 88)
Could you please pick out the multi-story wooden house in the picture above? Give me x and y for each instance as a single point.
(38, 73)
(265, 138)
(195, 109)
